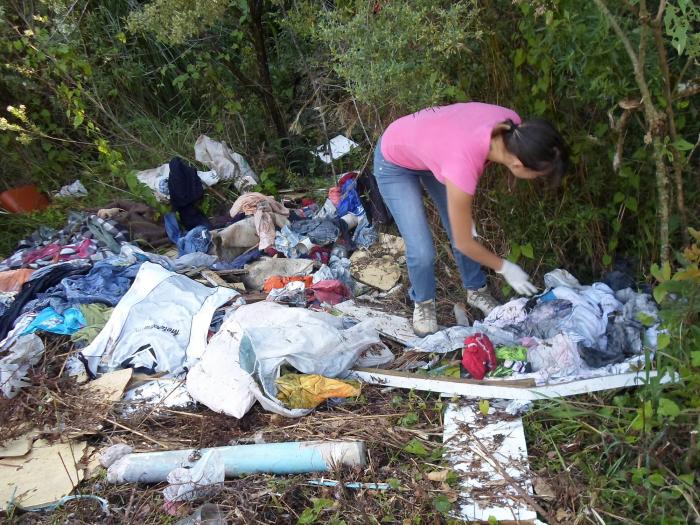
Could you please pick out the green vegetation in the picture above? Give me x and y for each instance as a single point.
(96, 90)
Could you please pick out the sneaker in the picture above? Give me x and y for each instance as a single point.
(425, 318)
(482, 300)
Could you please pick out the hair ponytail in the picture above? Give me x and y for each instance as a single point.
(538, 145)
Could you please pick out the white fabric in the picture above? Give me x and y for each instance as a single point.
(243, 360)
(589, 315)
(161, 322)
(513, 312)
(554, 357)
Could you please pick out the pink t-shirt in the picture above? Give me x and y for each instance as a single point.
(450, 141)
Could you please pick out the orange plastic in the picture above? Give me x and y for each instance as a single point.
(278, 281)
(23, 199)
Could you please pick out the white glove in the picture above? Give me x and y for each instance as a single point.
(517, 278)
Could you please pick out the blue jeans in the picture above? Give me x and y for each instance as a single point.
(402, 190)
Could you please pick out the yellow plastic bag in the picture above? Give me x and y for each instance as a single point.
(310, 390)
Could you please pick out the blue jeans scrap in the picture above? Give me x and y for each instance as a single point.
(402, 190)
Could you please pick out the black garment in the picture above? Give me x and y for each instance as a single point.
(185, 191)
(372, 200)
(614, 351)
(49, 277)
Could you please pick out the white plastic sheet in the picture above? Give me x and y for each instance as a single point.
(23, 352)
(243, 360)
(205, 478)
(225, 163)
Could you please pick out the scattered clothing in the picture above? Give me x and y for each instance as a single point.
(74, 189)
(12, 280)
(267, 213)
(243, 360)
(150, 332)
(365, 235)
(138, 220)
(198, 239)
(279, 281)
(47, 246)
(105, 283)
(49, 320)
(292, 294)
(194, 260)
(554, 357)
(478, 356)
(236, 239)
(39, 282)
(185, 189)
(239, 262)
(330, 291)
(321, 232)
(227, 164)
(96, 316)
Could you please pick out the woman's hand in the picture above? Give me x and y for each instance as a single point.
(517, 278)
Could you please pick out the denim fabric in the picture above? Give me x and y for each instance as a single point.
(402, 190)
(198, 239)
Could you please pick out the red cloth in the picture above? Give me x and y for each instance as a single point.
(349, 175)
(321, 254)
(331, 291)
(478, 356)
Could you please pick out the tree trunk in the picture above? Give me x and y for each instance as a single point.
(670, 116)
(652, 116)
(258, 32)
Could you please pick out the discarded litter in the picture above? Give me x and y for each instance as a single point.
(336, 148)
(271, 458)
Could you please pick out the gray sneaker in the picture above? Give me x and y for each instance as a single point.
(425, 318)
(482, 300)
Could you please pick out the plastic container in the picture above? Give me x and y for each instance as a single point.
(23, 199)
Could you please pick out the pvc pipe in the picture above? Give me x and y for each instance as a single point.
(271, 458)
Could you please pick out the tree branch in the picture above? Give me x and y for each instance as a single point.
(637, 66)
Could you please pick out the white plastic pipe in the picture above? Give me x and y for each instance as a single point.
(271, 458)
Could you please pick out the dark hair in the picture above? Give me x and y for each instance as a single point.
(538, 145)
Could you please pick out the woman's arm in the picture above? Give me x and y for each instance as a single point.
(459, 210)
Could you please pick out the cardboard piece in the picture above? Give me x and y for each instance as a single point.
(397, 328)
(382, 272)
(480, 449)
(109, 387)
(19, 446)
(42, 476)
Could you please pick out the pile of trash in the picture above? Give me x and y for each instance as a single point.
(568, 332)
(259, 307)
